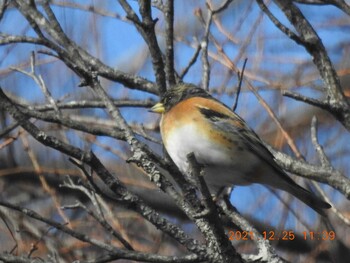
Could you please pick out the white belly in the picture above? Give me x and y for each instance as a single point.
(224, 165)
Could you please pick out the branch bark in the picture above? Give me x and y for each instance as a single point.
(336, 102)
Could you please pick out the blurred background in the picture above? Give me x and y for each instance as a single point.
(33, 175)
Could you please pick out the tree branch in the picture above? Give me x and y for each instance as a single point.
(113, 183)
(320, 174)
(208, 220)
(169, 41)
(313, 44)
(76, 58)
(146, 27)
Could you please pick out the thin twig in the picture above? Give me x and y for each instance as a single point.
(240, 78)
(223, 7)
(58, 226)
(343, 218)
(286, 135)
(34, 246)
(3, 6)
(205, 39)
(51, 191)
(40, 82)
(248, 39)
(319, 149)
(204, 48)
(314, 102)
(95, 9)
(103, 223)
(278, 24)
(121, 253)
(191, 62)
(95, 200)
(10, 231)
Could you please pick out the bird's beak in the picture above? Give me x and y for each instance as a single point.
(158, 108)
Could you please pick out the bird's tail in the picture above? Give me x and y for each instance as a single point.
(305, 196)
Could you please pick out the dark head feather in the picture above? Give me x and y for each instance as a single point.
(182, 92)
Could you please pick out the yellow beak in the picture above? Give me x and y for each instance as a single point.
(158, 108)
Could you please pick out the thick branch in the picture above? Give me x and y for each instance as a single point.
(309, 39)
(341, 4)
(133, 201)
(318, 173)
(208, 220)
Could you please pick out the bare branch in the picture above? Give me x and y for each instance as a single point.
(9, 258)
(3, 6)
(169, 41)
(41, 83)
(278, 24)
(58, 226)
(240, 78)
(321, 154)
(208, 221)
(120, 253)
(191, 62)
(84, 104)
(326, 164)
(204, 48)
(113, 183)
(266, 252)
(114, 207)
(328, 176)
(341, 4)
(11, 39)
(343, 218)
(313, 44)
(146, 28)
(299, 97)
(77, 58)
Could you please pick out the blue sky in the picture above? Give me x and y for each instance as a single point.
(118, 44)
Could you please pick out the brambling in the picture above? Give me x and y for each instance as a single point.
(230, 152)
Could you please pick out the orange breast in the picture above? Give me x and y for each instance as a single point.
(185, 129)
(187, 112)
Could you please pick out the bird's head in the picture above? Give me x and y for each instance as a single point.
(176, 94)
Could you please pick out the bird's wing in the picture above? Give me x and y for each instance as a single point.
(226, 121)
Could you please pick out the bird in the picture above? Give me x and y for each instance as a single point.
(230, 152)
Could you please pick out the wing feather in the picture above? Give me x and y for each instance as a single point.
(231, 123)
